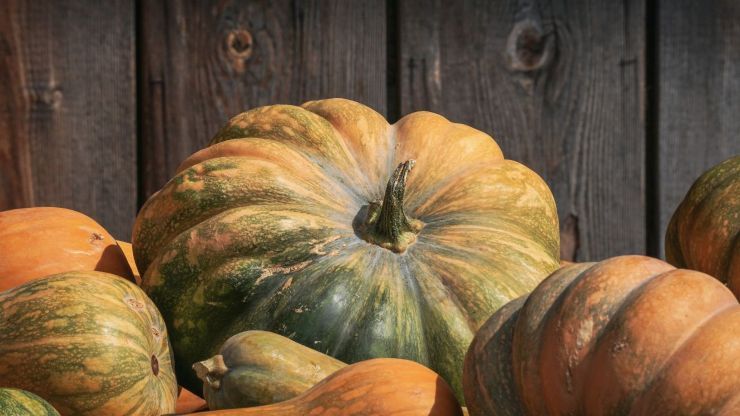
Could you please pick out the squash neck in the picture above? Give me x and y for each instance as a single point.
(386, 224)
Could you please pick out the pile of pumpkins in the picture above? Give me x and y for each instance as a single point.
(316, 260)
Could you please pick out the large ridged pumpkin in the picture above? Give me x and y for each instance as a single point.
(309, 222)
(379, 387)
(629, 335)
(15, 402)
(704, 232)
(89, 343)
(37, 242)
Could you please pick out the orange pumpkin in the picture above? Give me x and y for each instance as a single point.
(37, 242)
(628, 335)
(381, 386)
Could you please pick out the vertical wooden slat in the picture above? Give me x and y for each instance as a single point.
(204, 62)
(67, 108)
(699, 94)
(560, 85)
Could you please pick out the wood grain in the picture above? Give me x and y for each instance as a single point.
(67, 108)
(560, 85)
(204, 62)
(699, 95)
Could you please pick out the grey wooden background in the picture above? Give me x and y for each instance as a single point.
(619, 105)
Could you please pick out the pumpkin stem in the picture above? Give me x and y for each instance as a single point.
(387, 225)
(211, 371)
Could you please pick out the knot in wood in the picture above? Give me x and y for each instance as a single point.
(49, 96)
(239, 44)
(527, 48)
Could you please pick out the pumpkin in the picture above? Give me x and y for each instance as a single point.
(377, 387)
(90, 343)
(704, 232)
(259, 367)
(37, 242)
(308, 222)
(14, 402)
(628, 335)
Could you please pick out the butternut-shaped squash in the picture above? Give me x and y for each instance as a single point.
(377, 387)
(258, 367)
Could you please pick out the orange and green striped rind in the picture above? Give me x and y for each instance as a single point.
(89, 343)
(15, 402)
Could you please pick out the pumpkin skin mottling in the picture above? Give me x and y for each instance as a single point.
(628, 335)
(14, 402)
(259, 231)
(704, 232)
(89, 343)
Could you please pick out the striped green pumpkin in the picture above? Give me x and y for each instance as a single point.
(90, 343)
(704, 232)
(306, 221)
(15, 402)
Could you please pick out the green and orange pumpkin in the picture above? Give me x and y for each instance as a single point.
(629, 335)
(309, 222)
(89, 343)
(256, 368)
(704, 232)
(15, 402)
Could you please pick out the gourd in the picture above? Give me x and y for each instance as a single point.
(377, 387)
(258, 367)
(309, 222)
(704, 231)
(89, 343)
(629, 335)
(37, 242)
(14, 402)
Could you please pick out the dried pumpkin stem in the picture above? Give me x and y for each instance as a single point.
(211, 371)
(387, 225)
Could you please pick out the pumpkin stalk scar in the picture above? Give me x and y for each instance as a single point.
(386, 224)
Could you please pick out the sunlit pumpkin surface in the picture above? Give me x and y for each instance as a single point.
(287, 222)
(628, 335)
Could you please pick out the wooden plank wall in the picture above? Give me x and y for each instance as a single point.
(204, 62)
(618, 105)
(560, 85)
(68, 109)
(699, 95)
